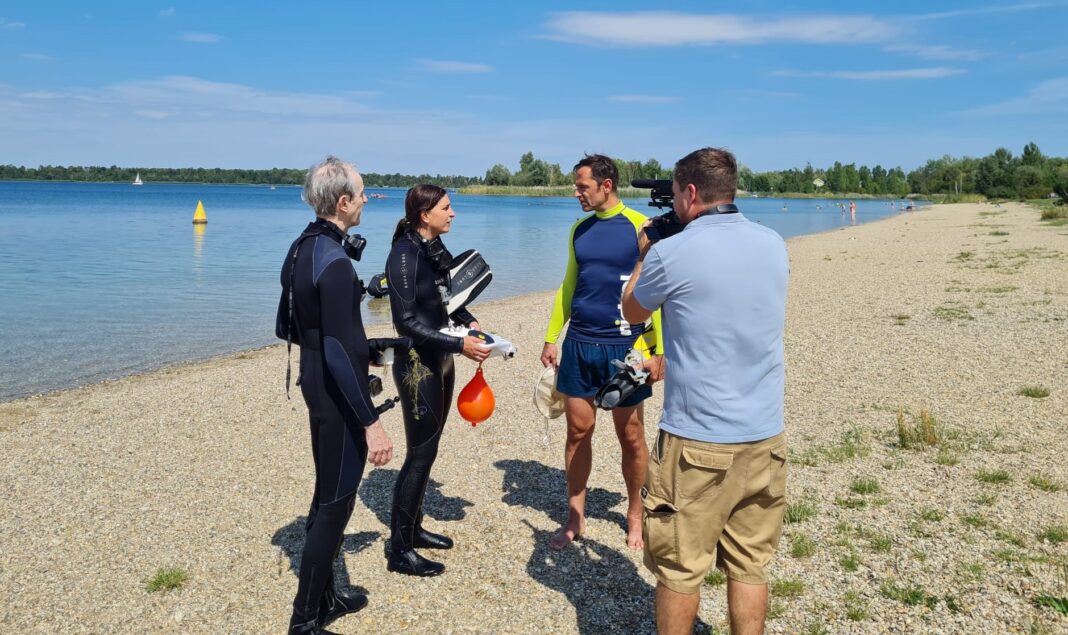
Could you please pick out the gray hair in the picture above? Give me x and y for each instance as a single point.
(326, 182)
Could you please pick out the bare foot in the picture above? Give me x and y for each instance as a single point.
(566, 534)
(634, 533)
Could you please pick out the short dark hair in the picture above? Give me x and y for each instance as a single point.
(601, 168)
(713, 171)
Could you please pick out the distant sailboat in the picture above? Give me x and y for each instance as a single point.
(137, 179)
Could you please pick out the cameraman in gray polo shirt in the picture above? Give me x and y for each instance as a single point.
(715, 490)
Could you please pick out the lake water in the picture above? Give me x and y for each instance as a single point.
(99, 280)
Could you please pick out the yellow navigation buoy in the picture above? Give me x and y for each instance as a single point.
(199, 217)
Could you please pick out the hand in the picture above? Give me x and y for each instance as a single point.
(643, 239)
(548, 355)
(474, 326)
(474, 349)
(655, 366)
(378, 345)
(379, 447)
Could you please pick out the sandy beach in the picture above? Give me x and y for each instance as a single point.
(950, 311)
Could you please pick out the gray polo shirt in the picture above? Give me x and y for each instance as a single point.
(721, 283)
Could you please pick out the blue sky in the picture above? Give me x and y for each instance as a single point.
(452, 88)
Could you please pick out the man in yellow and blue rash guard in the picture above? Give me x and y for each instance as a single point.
(603, 248)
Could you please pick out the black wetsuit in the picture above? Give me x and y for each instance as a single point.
(419, 312)
(333, 379)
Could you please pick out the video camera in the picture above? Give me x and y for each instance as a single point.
(661, 196)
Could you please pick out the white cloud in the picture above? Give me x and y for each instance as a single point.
(43, 94)
(1012, 8)
(936, 52)
(200, 37)
(4, 24)
(196, 98)
(643, 99)
(666, 28)
(166, 13)
(911, 73)
(1049, 97)
(35, 57)
(446, 66)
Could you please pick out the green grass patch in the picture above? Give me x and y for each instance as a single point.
(853, 445)
(799, 512)
(1008, 555)
(964, 256)
(947, 458)
(850, 562)
(1059, 604)
(920, 434)
(911, 595)
(986, 499)
(1055, 534)
(865, 486)
(1045, 483)
(973, 571)
(850, 502)
(1005, 535)
(856, 606)
(1035, 392)
(932, 515)
(880, 543)
(715, 577)
(802, 546)
(951, 311)
(167, 579)
(998, 290)
(901, 318)
(787, 588)
(952, 603)
(998, 232)
(975, 520)
(993, 477)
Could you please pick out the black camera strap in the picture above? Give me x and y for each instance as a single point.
(729, 208)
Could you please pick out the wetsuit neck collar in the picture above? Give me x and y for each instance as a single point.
(612, 211)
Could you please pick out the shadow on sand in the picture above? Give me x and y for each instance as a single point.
(532, 484)
(376, 492)
(602, 583)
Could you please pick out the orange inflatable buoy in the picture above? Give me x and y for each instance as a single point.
(476, 402)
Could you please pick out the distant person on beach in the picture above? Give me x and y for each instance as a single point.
(852, 212)
(320, 311)
(602, 250)
(715, 492)
(417, 267)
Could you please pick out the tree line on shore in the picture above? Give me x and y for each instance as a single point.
(997, 175)
(274, 176)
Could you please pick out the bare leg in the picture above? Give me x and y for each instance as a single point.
(578, 460)
(630, 428)
(675, 612)
(748, 605)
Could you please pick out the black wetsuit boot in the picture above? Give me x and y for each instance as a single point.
(401, 556)
(427, 539)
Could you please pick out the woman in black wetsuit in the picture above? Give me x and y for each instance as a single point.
(320, 311)
(418, 270)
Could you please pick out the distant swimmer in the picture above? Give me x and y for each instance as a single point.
(784, 207)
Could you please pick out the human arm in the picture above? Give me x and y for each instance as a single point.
(344, 343)
(564, 295)
(403, 271)
(633, 311)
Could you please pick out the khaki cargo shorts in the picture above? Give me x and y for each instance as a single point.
(711, 503)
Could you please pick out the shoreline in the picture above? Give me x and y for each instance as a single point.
(223, 355)
(205, 466)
